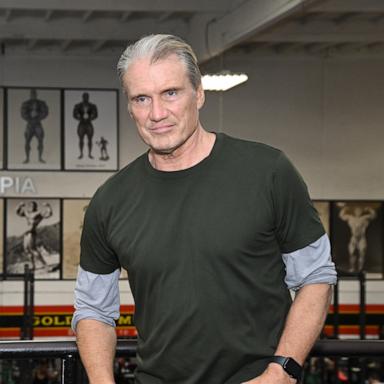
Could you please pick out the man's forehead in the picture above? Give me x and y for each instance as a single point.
(143, 70)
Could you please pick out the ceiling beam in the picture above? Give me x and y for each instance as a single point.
(94, 29)
(8, 15)
(120, 5)
(349, 6)
(374, 47)
(125, 16)
(317, 47)
(48, 15)
(344, 18)
(98, 45)
(32, 44)
(87, 16)
(244, 21)
(65, 45)
(164, 16)
(325, 38)
(322, 31)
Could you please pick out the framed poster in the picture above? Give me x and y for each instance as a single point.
(357, 236)
(73, 216)
(323, 208)
(33, 128)
(33, 237)
(90, 130)
(1, 235)
(1, 128)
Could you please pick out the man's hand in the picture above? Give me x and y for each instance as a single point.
(274, 374)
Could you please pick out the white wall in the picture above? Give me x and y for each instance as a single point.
(326, 115)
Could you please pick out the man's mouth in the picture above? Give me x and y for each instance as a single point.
(161, 128)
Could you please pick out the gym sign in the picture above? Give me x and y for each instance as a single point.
(18, 185)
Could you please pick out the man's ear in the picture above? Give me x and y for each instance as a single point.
(125, 92)
(129, 109)
(200, 96)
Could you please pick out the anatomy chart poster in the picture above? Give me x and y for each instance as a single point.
(33, 128)
(33, 237)
(90, 130)
(357, 236)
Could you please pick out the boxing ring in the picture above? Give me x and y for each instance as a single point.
(71, 373)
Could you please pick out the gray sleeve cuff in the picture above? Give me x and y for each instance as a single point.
(310, 265)
(96, 297)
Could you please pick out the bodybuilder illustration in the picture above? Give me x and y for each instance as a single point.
(358, 220)
(85, 112)
(33, 111)
(34, 217)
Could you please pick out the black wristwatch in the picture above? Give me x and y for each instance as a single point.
(292, 367)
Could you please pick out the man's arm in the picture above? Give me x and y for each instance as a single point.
(310, 272)
(77, 115)
(25, 110)
(44, 110)
(20, 209)
(343, 214)
(47, 212)
(97, 342)
(371, 213)
(303, 325)
(93, 113)
(97, 306)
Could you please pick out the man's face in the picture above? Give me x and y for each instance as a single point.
(32, 206)
(358, 211)
(162, 102)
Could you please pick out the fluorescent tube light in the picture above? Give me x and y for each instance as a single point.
(223, 81)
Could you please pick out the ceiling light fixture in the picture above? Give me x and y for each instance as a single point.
(223, 81)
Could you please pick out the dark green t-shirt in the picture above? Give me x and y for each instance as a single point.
(202, 247)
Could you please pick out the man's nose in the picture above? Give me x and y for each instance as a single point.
(158, 110)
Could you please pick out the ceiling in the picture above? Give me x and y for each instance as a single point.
(99, 27)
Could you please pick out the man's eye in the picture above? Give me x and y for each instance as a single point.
(171, 92)
(140, 99)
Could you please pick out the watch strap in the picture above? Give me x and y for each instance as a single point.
(291, 366)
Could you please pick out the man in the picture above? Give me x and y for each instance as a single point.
(34, 217)
(85, 112)
(205, 224)
(358, 219)
(33, 111)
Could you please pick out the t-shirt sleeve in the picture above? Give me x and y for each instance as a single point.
(96, 254)
(297, 222)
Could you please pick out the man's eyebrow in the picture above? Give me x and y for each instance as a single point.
(175, 88)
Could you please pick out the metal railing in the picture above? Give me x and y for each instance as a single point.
(68, 353)
(356, 276)
(26, 329)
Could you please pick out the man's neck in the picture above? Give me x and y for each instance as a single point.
(195, 149)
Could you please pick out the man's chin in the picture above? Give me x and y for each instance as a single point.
(163, 151)
(165, 148)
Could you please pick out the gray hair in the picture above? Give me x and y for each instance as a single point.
(157, 47)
